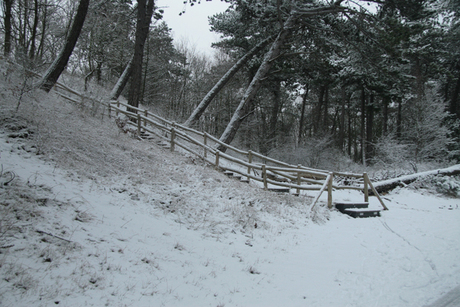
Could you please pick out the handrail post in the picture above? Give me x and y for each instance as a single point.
(139, 124)
(118, 106)
(264, 176)
(250, 162)
(110, 115)
(299, 178)
(366, 188)
(217, 159)
(173, 135)
(146, 114)
(329, 190)
(205, 142)
(366, 178)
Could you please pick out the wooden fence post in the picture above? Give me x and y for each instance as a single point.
(139, 124)
(366, 188)
(264, 176)
(205, 141)
(146, 114)
(118, 106)
(217, 159)
(329, 190)
(299, 178)
(173, 135)
(366, 178)
(110, 108)
(250, 162)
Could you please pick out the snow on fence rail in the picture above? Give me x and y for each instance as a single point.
(278, 173)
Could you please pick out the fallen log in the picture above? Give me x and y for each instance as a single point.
(390, 184)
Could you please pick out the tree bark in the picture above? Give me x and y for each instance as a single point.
(399, 120)
(7, 5)
(57, 67)
(122, 81)
(363, 126)
(454, 99)
(199, 110)
(43, 34)
(144, 16)
(302, 116)
(369, 129)
(237, 118)
(34, 31)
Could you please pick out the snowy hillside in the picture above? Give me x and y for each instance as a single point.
(92, 217)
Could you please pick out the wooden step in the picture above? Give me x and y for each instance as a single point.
(279, 190)
(343, 205)
(362, 212)
(164, 145)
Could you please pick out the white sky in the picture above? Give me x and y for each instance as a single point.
(192, 26)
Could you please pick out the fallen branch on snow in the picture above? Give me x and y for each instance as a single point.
(390, 184)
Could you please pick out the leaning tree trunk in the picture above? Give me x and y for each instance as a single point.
(237, 118)
(199, 110)
(54, 71)
(121, 83)
(144, 16)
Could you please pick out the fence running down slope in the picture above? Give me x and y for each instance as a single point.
(272, 174)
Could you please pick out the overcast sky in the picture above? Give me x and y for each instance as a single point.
(193, 25)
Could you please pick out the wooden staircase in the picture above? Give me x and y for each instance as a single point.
(357, 209)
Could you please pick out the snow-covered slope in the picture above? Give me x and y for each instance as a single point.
(98, 218)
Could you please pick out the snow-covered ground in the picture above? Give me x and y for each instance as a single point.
(96, 218)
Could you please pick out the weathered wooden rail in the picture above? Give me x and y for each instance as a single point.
(269, 172)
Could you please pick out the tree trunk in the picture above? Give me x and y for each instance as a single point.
(7, 5)
(363, 126)
(326, 109)
(369, 129)
(199, 110)
(237, 118)
(121, 83)
(302, 116)
(271, 142)
(43, 34)
(54, 71)
(34, 31)
(386, 101)
(342, 118)
(399, 120)
(454, 100)
(144, 16)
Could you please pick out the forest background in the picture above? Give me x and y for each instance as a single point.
(332, 84)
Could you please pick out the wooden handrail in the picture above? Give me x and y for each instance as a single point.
(145, 119)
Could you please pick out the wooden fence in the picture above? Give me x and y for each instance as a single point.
(272, 173)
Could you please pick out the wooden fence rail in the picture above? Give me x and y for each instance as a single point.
(269, 172)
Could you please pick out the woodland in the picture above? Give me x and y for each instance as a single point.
(309, 81)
